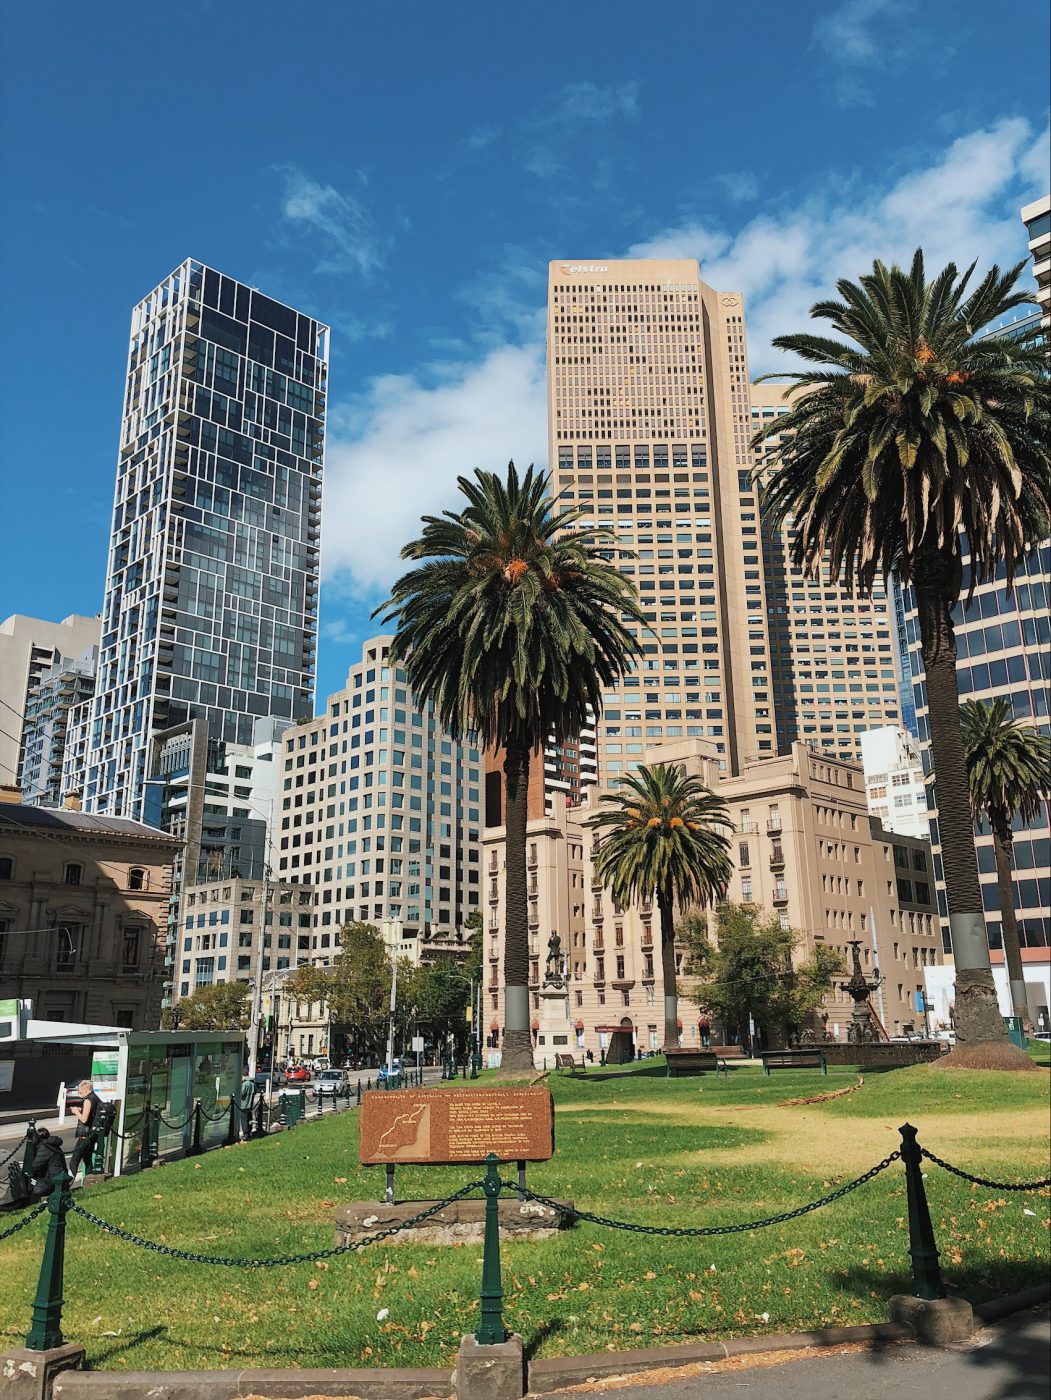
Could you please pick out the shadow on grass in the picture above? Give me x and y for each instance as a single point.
(121, 1346)
(540, 1335)
(996, 1278)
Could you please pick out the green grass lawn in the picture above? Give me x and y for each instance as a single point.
(643, 1148)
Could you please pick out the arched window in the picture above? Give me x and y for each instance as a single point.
(137, 879)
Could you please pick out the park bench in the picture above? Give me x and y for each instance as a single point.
(567, 1062)
(728, 1052)
(808, 1059)
(693, 1062)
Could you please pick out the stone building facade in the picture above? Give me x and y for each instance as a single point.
(83, 907)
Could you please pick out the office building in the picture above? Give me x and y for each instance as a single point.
(1037, 220)
(210, 609)
(649, 425)
(233, 929)
(804, 848)
(69, 683)
(894, 786)
(83, 907)
(380, 811)
(833, 654)
(30, 647)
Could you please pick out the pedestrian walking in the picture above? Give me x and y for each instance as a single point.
(87, 1117)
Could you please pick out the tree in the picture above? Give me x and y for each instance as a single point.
(666, 836)
(913, 445)
(441, 995)
(224, 1006)
(747, 976)
(1008, 775)
(512, 627)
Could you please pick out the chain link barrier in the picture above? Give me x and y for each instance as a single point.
(281, 1259)
(984, 1181)
(26, 1220)
(694, 1232)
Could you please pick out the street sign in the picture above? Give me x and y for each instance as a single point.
(417, 1045)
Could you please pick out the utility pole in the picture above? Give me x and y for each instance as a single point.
(391, 929)
(257, 980)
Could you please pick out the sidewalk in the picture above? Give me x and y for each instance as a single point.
(1009, 1361)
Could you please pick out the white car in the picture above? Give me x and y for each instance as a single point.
(331, 1081)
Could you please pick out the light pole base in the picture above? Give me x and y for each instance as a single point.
(30, 1375)
(940, 1322)
(490, 1372)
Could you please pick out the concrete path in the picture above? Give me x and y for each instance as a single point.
(1011, 1361)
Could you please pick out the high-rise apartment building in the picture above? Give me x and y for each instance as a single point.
(29, 647)
(833, 653)
(649, 425)
(210, 609)
(1037, 220)
(380, 811)
(65, 685)
(894, 784)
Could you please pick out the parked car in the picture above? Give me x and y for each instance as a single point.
(1043, 1036)
(331, 1081)
(263, 1077)
(297, 1074)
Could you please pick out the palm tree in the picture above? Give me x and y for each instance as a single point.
(512, 626)
(668, 836)
(913, 445)
(1009, 774)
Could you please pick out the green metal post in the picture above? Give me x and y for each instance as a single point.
(29, 1151)
(491, 1329)
(45, 1330)
(231, 1132)
(926, 1273)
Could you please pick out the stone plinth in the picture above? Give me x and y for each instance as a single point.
(937, 1321)
(30, 1375)
(555, 1034)
(463, 1222)
(490, 1372)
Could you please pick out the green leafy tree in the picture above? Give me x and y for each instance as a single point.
(746, 976)
(913, 445)
(442, 994)
(665, 836)
(1009, 775)
(512, 626)
(224, 1006)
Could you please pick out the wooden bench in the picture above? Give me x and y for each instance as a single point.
(693, 1062)
(728, 1052)
(567, 1062)
(807, 1059)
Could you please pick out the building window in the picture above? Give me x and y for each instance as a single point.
(68, 946)
(130, 958)
(137, 878)
(73, 874)
(6, 867)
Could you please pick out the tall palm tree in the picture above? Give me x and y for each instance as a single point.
(913, 445)
(1009, 774)
(512, 626)
(667, 836)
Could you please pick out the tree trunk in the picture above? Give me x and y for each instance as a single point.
(977, 1013)
(1003, 851)
(671, 991)
(517, 1050)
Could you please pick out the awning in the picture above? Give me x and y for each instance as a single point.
(614, 1030)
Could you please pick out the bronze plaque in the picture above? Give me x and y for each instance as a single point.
(443, 1126)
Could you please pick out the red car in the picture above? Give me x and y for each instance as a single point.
(297, 1074)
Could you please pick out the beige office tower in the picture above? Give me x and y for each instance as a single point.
(832, 654)
(649, 423)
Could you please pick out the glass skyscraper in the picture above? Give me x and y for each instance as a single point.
(211, 600)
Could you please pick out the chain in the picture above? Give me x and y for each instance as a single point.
(687, 1232)
(38, 1210)
(218, 1117)
(175, 1127)
(984, 1181)
(281, 1259)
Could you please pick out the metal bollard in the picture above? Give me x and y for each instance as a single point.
(29, 1151)
(45, 1330)
(358, 1105)
(195, 1141)
(491, 1329)
(923, 1248)
(231, 1132)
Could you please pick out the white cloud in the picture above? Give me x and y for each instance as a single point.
(588, 102)
(962, 206)
(395, 455)
(342, 225)
(864, 36)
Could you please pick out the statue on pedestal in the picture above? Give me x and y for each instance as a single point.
(554, 969)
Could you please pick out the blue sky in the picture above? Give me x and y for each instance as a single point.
(406, 170)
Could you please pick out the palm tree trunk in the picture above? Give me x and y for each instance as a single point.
(1003, 851)
(517, 1050)
(671, 991)
(977, 1012)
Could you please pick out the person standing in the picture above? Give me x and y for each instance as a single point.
(86, 1115)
